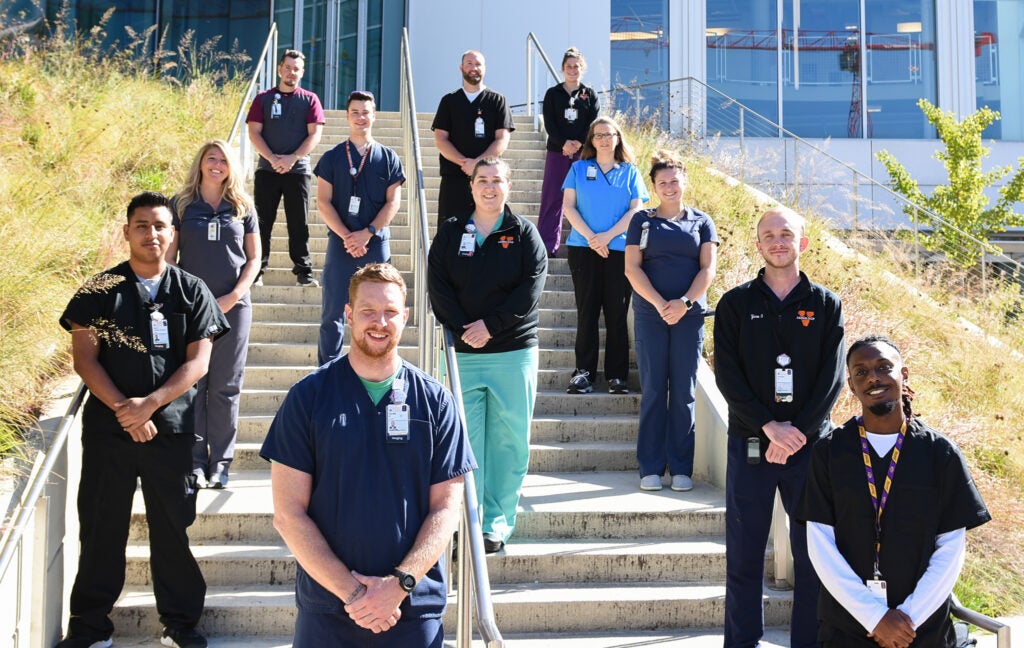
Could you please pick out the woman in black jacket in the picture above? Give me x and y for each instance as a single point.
(486, 273)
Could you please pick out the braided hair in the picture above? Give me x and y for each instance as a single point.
(906, 394)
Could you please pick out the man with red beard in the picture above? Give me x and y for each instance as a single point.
(368, 456)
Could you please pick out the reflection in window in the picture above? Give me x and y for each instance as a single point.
(742, 57)
(639, 53)
(999, 64)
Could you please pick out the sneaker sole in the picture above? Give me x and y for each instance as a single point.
(579, 391)
(681, 490)
(650, 488)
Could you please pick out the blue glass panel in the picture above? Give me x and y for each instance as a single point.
(900, 66)
(742, 59)
(999, 64)
(639, 54)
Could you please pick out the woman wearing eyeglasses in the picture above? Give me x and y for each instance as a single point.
(569, 109)
(600, 194)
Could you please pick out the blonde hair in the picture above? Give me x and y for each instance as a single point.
(572, 52)
(233, 187)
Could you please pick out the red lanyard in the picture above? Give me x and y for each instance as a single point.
(879, 505)
(355, 173)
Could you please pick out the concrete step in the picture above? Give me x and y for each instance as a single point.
(549, 429)
(266, 401)
(579, 505)
(626, 560)
(546, 457)
(518, 608)
(774, 637)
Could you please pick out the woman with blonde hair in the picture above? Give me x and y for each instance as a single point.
(218, 241)
(600, 194)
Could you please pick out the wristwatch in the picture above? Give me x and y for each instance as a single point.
(687, 302)
(372, 229)
(406, 580)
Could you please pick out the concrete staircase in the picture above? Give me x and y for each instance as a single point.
(593, 562)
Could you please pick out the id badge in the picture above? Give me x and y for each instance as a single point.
(644, 233)
(877, 587)
(275, 110)
(783, 385)
(478, 127)
(398, 423)
(161, 334)
(592, 173)
(468, 244)
(570, 115)
(213, 231)
(353, 205)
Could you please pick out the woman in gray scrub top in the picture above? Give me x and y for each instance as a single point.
(218, 240)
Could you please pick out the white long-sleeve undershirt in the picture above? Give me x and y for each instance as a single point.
(932, 589)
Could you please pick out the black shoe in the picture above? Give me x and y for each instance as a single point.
(580, 383)
(492, 543)
(182, 638)
(307, 281)
(617, 386)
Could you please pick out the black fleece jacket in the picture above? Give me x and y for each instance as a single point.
(752, 327)
(501, 283)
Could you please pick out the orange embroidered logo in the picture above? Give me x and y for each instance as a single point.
(805, 317)
(505, 241)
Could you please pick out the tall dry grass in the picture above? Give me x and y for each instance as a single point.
(81, 130)
(968, 385)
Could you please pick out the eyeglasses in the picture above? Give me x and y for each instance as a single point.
(363, 95)
(605, 135)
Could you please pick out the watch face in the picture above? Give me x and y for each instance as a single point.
(408, 582)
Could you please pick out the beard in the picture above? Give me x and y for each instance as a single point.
(881, 409)
(472, 79)
(360, 343)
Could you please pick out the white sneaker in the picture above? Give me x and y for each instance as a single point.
(682, 483)
(650, 483)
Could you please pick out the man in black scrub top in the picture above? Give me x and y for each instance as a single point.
(887, 505)
(471, 123)
(142, 332)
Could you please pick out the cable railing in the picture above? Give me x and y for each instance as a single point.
(472, 581)
(263, 77)
(802, 174)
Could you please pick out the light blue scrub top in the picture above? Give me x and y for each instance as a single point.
(603, 198)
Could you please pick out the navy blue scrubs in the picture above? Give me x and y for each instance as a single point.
(370, 497)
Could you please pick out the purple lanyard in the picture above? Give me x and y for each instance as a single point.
(879, 506)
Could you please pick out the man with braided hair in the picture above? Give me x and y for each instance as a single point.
(887, 504)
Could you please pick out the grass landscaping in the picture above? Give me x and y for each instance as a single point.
(79, 135)
(968, 386)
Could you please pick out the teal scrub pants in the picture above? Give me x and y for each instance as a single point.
(498, 390)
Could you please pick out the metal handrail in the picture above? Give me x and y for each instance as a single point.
(472, 572)
(531, 100)
(999, 629)
(263, 77)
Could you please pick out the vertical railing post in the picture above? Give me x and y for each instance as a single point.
(856, 203)
(40, 558)
(743, 150)
(917, 242)
(984, 284)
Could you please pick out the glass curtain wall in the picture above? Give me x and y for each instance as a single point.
(846, 68)
(999, 64)
(639, 55)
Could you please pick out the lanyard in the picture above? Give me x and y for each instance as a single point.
(781, 344)
(352, 170)
(879, 505)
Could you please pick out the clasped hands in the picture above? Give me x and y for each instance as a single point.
(785, 440)
(357, 244)
(135, 416)
(895, 630)
(377, 608)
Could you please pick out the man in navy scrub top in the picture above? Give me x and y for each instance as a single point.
(368, 459)
(887, 504)
(142, 332)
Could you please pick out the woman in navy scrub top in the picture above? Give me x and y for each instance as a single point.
(670, 261)
(218, 241)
